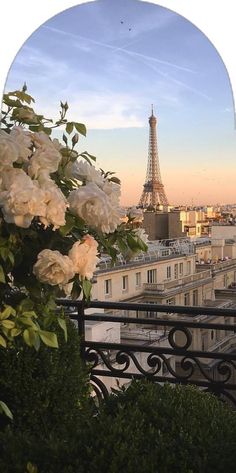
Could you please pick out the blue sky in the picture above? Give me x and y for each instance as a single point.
(111, 60)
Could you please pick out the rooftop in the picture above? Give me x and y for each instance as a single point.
(157, 251)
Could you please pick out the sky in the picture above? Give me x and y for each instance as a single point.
(112, 59)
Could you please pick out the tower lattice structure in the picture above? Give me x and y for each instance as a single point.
(153, 190)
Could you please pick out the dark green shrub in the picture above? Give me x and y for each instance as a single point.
(145, 429)
(155, 429)
(45, 390)
(49, 394)
(51, 454)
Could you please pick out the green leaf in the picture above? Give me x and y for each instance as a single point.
(26, 305)
(84, 156)
(34, 127)
(63, 325)
(2, 275)
(49, 338)
(69, 127)
(70, 221)
(6, 410)
(7, 312)
(27, 336)
(122, 245)
(11, 258)
(3, 342)
(113, 253)
(15, 332)
(89, 155)
(76, 290)
(51, 303)
(86, 286)
(30, 468)
(30, 314)
(81, 128)
(31, 338)
(36, 341)
(79, 222)
(142, 245)
(10, 102)
(8, 324)
(23, 96)
(4, 253)
(115, 179)
(28, 322)
(47, 130)
(133, 244)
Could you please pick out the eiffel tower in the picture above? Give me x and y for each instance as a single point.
(153, 193)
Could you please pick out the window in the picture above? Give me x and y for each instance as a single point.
(107, 287)
(195, 297)
(138, 279)
(124, 283)
(168, 272)
(176, 271)
(188, 267)
(165, 252)
(181, 269)
(149, 313)
(152, 276)
(186, 298)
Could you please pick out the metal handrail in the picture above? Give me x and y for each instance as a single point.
(176, 359)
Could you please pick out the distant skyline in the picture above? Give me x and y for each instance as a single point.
(111, 60)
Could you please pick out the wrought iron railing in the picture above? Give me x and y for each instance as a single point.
(181, 352)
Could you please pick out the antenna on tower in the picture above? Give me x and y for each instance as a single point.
(152, 109)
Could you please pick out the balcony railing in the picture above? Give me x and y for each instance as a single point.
(215, 267)
(178, 282)
(177, 354)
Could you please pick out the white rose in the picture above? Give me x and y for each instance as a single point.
(24, 140)
(45, 158)
(84, 256)
(53, 268)
(136, 214)
(9, 149)
(113, 190)
(41, 139)
(140, 232)
(83, 171)
(56, 203)
(10, 175)
(23, 200)
(95, 207)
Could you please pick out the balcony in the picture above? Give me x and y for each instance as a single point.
(176, 283)
(174, 355)
(216, 267)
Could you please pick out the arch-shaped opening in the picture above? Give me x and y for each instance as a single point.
(111, 61)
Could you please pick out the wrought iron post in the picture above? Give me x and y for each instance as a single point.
(81, 330)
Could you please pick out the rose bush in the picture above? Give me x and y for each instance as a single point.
(57, 213)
